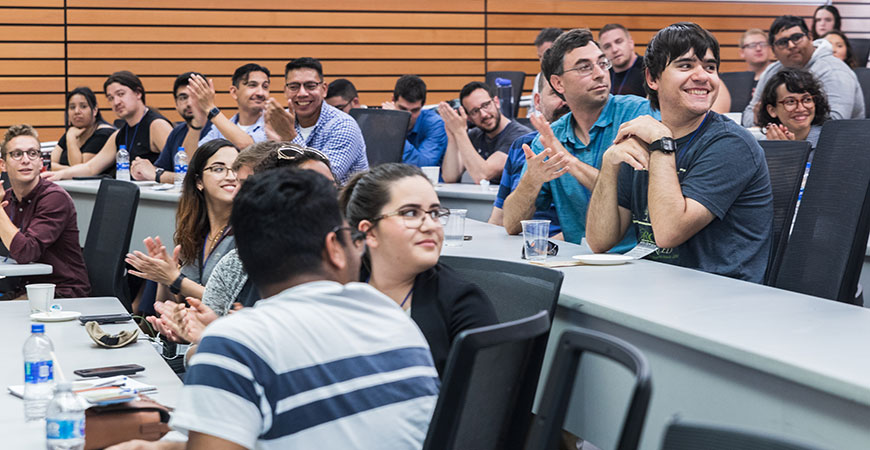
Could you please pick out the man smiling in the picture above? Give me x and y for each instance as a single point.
(311, 122)
(790, 39)
(695, 184)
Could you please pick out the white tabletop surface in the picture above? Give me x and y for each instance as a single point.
(808, 340)
(74, 350)
(468, 191)
(146, 188)
(11, 269)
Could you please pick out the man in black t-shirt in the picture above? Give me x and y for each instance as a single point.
(482, 151)
(626, 75)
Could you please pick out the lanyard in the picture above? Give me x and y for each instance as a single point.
(407, 296)
(627, 72)
(692, 138)
(132, 141)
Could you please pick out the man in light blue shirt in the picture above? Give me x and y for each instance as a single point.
(250, 89)
(562, 163)
(427, 138)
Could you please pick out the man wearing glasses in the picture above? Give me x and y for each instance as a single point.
(311, 122)
(482, 151)
(38, 219)
(343, 95)
(755, 50)
(792, 46)
(563, 161)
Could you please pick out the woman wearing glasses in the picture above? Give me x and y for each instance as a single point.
(397, 208)
(87, 130)
(202, 229)
(793, 107)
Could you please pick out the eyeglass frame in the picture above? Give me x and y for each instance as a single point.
(443, 214)
(212, 168)
(782, 43)
(802, 101)
(32, 155)
(290, 87)
(485, 105)
(755, 45)
(356, 236)
(603, 63)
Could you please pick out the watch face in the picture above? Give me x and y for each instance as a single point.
(669, 145)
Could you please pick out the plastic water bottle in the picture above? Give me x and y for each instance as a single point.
(506, 96)
(65, 420)
(122, 164)
(180, 168)
(38, 373)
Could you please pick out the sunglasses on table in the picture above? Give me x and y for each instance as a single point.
(293, 152)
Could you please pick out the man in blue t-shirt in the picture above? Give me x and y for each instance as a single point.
(185, 134)
(548, 103)
(695, 184)
(426, 139)
(563, 162)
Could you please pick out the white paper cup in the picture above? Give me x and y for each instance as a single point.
(432, 173)
(40, 296)
(454, 231)
(535, 233)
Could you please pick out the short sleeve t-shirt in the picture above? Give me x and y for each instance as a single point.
(628, 82)
(723, 168)
(93, 145)
(486, 147)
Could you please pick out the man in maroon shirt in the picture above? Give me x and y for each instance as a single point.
(38, 219)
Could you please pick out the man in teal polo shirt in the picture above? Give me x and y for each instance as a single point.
(562, 163)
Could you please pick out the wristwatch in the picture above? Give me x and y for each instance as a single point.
(158, 173)
(175, 287)
(664, 145)
(214, 112)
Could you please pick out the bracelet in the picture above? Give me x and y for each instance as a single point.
(175, 287)
(158, 173)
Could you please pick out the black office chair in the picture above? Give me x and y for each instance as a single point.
(516, 289)
(108, 239)
(863, 74)
(786, 163)
(824, 254)
(488, 387)
(547, 426)
(517, 81)
(740, 86)
(860, 50)
(384, 132)
(695, 436)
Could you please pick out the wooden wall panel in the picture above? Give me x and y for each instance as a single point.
(50, 46)
(856, 18)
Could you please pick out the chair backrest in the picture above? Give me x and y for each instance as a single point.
(384, 132)
(517, 81)
(694, 436)
(547, 425)
(863, 74)
(740, 86)
(786, 162)
(489, 386)
(860, 50)
(108, 239)
(516, 289)
(824, 254)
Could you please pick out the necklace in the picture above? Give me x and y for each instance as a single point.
(211, 242)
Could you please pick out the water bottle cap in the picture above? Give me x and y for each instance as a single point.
(180, 149)
(502, 82)
(122, 147)
(37, 328)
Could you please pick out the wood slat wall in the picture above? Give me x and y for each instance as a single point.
(856, 18)
(50, 46)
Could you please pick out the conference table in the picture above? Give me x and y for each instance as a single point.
(74, 349)
(475, 198)
(13, 269)
(721, 350)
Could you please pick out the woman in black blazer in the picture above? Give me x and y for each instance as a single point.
(398, 209)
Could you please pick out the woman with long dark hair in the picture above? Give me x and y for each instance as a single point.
(202, 232)
(825, 19)
(86, 132)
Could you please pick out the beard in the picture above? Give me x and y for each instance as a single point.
(497, 121)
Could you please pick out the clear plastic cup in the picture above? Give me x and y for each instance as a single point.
(535, 234)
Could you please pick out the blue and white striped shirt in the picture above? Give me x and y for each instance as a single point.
(320, 365)
(338, 136)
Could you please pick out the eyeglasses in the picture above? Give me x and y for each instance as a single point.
(585, 68)
(341, 106)
(292, 152)
(413, 217)
(31, 154)
(476, 111)
(219, 170)
(790, 104)
(357, 237)
(783, 42)
(755, 45)
(309, 86)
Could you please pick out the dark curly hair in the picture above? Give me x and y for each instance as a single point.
(796, 81)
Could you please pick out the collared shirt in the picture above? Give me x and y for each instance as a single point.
(427, 141)
(49, 234)
(510, 178)
(570, 197)
(338, 136)
(257, 131)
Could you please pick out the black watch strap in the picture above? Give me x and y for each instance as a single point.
(175, 287)
(214, 112)
(664, 145)
(158, 173)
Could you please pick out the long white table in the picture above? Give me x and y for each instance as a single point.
(74, 350)
(155, 216)
(9, 269)
(721, 350)
(476, 199)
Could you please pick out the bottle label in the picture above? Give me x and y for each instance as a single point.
(181, 168)
(64, 429)
(123, 166)
(38, 371)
